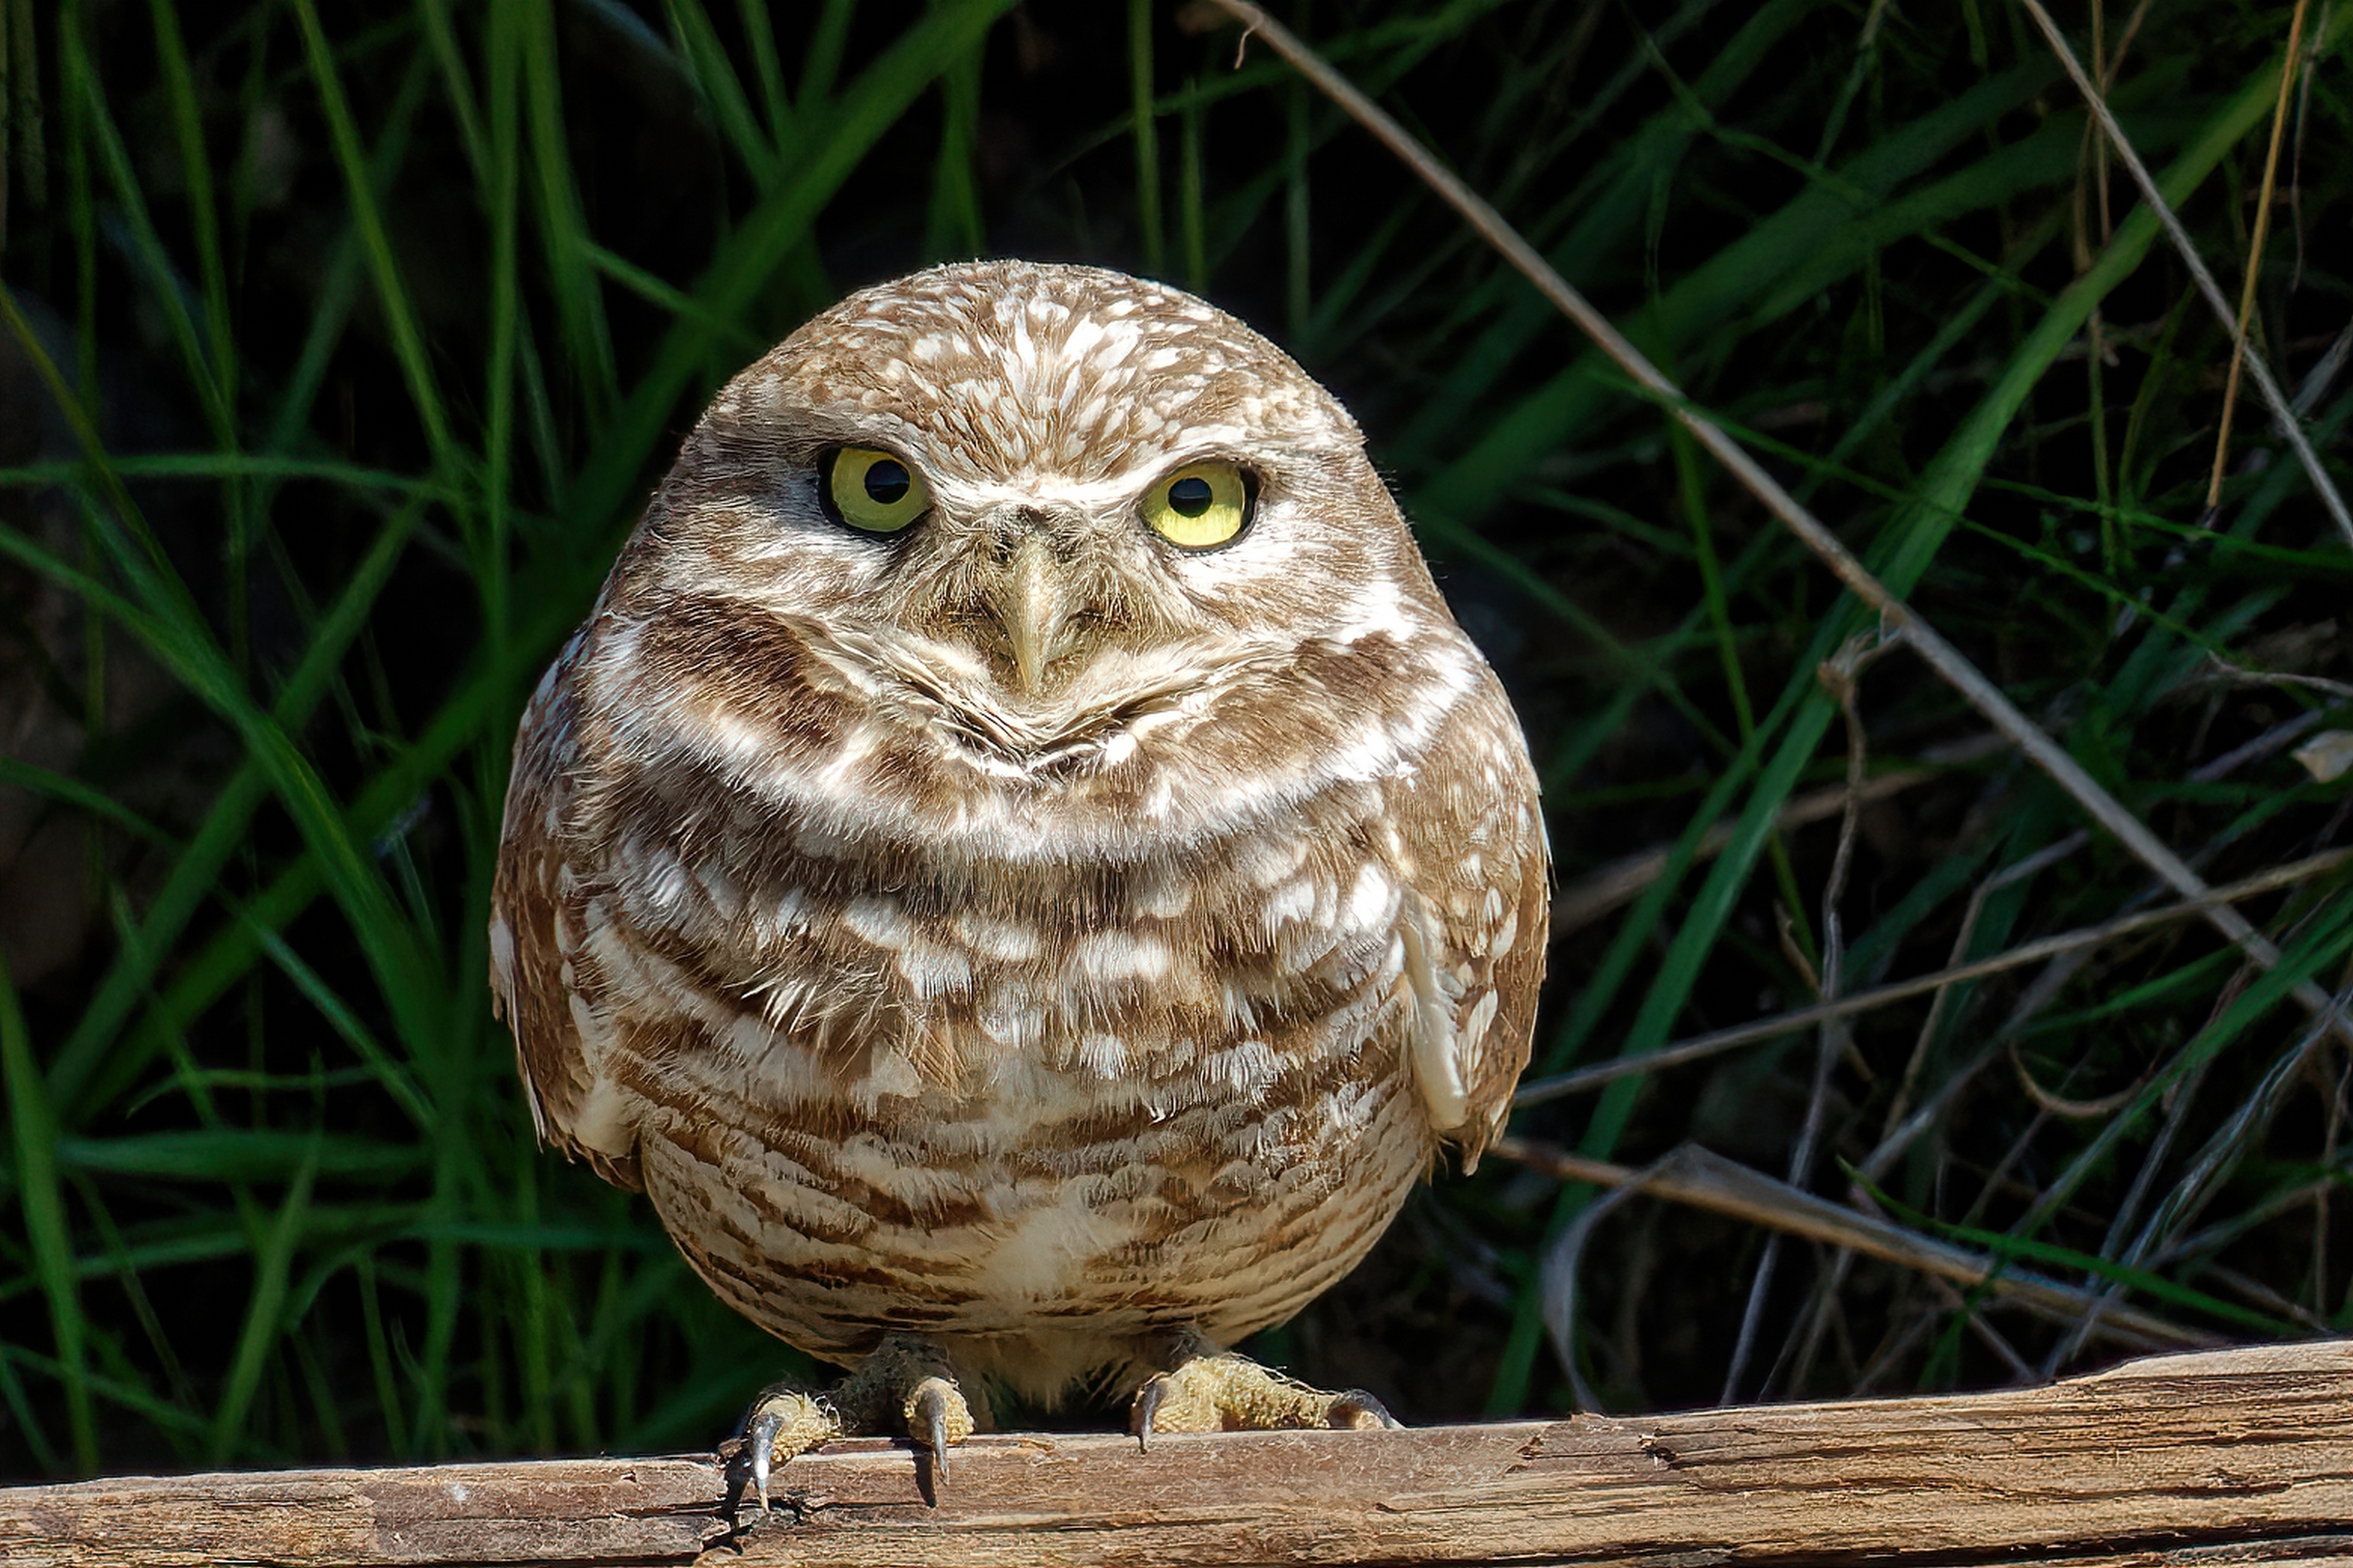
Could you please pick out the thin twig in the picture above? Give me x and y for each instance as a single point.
(2021, 1371)
(1538, 1091)
(1899, 1339)
(1841, 676)
(2008, 875)
(1844, 676)
(2178, 1105)
(2323, 375)
(2108, 72)
(2221, 669)
(2222, 1154)
(1564, 1263)
(2223, 1233)
(2282, 414)
(1942, 657)
(2272, 740)
(1705, 1180)
(2265, 1299)
(2040, 992)
(1621, 881)
(2333, 1094)
(2059, 1105)
(2255, 259)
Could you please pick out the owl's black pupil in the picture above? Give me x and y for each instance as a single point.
(887, 481)
(1189, 497)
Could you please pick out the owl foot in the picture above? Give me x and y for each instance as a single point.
(785, 1421)
(1222, 1392)
(904, 1389)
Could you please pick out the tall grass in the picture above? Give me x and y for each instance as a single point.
(339, 346)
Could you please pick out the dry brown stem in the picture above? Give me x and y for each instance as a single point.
(2283, 415)
(2256, 258)
(1895, 615)
(1701, 1179)
(1538, 1091)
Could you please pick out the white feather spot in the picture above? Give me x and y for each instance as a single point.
(1109, 956)
(879, 921)
(1506, 934)
(1104, 1056)
(1436, 1072)
(1293, 901)
(1368, 902)
(1047, 1250)
(1247, 1069)
(503, 960)
(1006, 942)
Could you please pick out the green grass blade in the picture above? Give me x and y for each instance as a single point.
(1147, 136)
(953, 227)
(375, 245)
(33, 1130)
(191, 879)
(562, 226)
(715, 78)
(82, 797)
(263, 1313)
(869, 107)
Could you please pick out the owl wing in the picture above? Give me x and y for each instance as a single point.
(1474, 920)
(532, 941)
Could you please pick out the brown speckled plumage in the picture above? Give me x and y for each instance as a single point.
(1035, 1015)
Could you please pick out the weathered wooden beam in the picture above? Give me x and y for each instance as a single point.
(2236, 1457)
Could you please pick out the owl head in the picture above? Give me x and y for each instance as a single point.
(1013, 518)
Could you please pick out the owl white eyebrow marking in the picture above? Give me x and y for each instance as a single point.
(1083, 494)
(1126, 486)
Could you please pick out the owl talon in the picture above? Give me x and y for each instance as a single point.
(762, 1433)
(1354, 1410)
(1148, 1400)
(938, 1418)
(785, 1421)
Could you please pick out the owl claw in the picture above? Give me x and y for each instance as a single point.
(929, 1425)
(901, 1388)
(937, 1415)
(785, 1421)
(761, 1438)
(1147, 1403)
(1354, 1410)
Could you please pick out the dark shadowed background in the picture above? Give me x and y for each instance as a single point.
(341, 344)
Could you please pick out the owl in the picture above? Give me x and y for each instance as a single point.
(1020, 866)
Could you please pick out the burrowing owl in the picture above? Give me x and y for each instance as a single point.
(1021, 868)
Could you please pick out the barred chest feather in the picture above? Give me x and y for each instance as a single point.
(874, 1086)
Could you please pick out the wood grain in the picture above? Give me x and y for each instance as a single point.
(2230, 1456)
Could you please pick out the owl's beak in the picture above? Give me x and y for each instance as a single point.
(1034, 603)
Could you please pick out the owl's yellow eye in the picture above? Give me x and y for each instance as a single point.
(874, 490)
(1200, 505)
